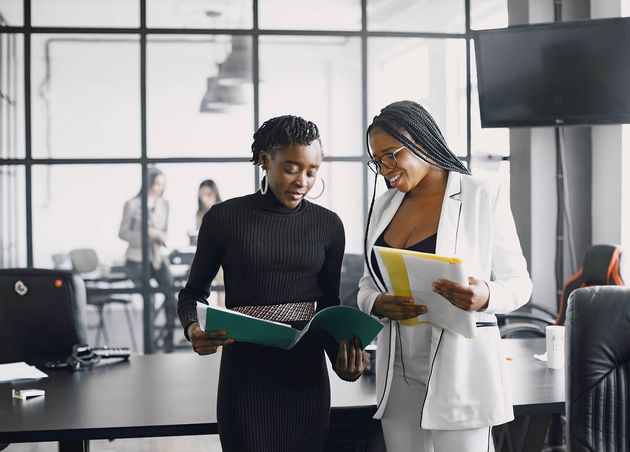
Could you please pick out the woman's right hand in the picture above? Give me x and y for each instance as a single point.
(397, 308)
(206, 342)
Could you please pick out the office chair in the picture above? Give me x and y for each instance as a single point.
(42, 314)
(597, 347)
(601, 266)
(351, 273)
(86, 263)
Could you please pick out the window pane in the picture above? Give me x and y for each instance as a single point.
(486, 14)
(439, 16)
(344, 195)
(199, 96)
(86, 13)
(12, 217)
(85, 96)
(431, 72)
(199, 14)
(310, 14)
(80, 206)
(485, 143)
(318, 79)
(182, 188)
(12, 99)
(11, 13)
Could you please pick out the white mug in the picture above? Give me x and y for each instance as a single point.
(555, 346)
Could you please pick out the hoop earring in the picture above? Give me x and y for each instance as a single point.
(321, 192)
(264, 184)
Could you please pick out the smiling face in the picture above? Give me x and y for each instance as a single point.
(410, 170)
(292, 172)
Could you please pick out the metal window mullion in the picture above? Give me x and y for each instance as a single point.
(6, 100)
(468, 87)
(256, 78)
(28, 179)
(364, 104)
(147, 312)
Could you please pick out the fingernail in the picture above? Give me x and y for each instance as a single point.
(223, 333)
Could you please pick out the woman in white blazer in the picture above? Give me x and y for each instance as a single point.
(437, 390)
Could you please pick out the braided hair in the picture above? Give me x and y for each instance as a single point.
(283, 132)
(426, 142)
(402, 120)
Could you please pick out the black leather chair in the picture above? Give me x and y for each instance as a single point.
(598, 369)
(351, 273)
(42, 314)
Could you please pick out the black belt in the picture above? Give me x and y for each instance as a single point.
(486, 324)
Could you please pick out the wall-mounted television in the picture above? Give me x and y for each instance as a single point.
(554, 74)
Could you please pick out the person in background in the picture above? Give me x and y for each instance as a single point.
(281, 256)
(131, 232)
(437, 390)
(207, 197)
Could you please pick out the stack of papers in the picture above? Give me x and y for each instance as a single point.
(19, 371)
(411, 273)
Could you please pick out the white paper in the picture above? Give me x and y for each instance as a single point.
(202, 309)
(19, 371)
(421, 274)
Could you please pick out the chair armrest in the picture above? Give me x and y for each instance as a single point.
(527, 316)
(544, 309)
(512, 329)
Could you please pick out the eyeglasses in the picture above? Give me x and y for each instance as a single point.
(388, 160)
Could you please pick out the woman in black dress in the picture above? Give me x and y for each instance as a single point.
(281, 256)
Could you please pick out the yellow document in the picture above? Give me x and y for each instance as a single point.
(411, 274)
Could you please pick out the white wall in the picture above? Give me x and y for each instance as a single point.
(611, 191)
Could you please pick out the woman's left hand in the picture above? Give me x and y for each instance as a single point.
(351, 361)
(471, 297)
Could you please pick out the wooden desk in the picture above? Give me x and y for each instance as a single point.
(538, 394)
(175, 394)
(154, 395)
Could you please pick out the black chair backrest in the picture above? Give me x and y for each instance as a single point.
(42, 314)
(598, 369)
(351, 273)
(600, 267)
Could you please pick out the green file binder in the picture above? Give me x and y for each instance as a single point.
(340, 322)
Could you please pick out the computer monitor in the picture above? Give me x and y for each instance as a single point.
(42, 314)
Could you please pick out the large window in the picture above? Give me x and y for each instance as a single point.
(97, 93)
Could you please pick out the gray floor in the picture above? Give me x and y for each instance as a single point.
(119, 335)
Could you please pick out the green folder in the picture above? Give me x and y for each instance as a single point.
(340, 322)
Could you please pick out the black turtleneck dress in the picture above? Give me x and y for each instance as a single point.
(270, 399)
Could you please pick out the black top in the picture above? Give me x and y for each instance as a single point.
(270, 254)
(425, 246)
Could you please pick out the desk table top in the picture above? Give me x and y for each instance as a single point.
(175, 394)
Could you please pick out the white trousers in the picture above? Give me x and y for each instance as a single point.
(402, 431)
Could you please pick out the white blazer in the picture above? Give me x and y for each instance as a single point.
(468, 385)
